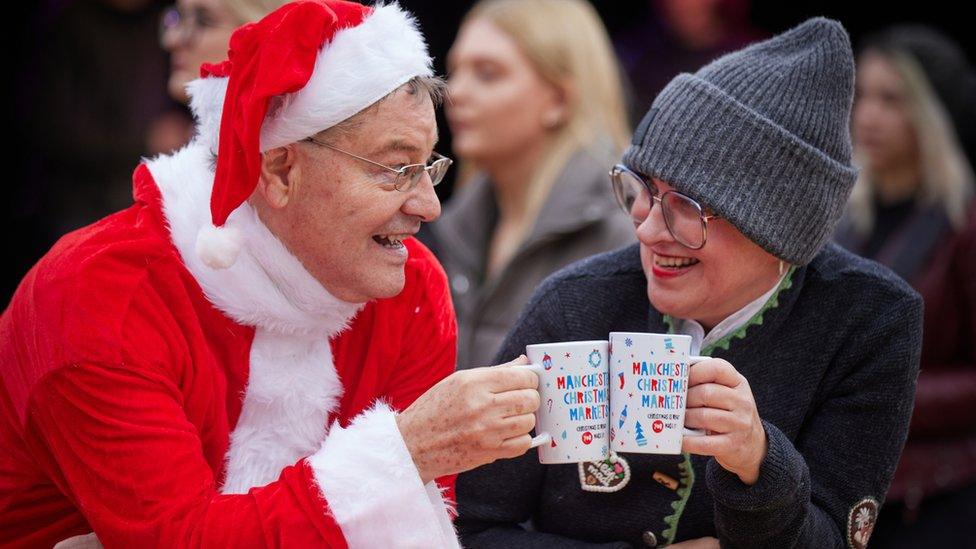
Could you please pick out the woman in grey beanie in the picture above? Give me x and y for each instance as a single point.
(735, 180)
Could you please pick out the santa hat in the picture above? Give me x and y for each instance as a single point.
(302, 69)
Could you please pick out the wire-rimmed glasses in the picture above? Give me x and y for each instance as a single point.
(406, 177)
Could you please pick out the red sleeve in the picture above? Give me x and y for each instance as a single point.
(116, 441)
(133, 437)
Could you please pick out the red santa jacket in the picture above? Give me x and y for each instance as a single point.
(156, 402)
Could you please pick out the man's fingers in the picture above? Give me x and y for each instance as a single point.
(712, 395)
(506, 378)
(515, 446)
(517, 402)
(714, 370)
(516, 426)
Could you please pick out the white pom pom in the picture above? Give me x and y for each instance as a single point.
(218, 247)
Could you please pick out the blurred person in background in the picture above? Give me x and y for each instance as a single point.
(94, 96)
(194, 32)
(680, 36)
(91, 82)
(912, 210)
(197, 31)
(537, 115)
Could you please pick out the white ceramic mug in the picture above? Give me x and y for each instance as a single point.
(572, 422)
(649, 385)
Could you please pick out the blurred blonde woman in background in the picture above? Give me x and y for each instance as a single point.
(537, 116)
(912, 210)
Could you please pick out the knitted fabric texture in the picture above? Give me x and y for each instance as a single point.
(760, 136)
(832, 369)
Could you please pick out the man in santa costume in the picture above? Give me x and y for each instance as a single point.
(256, 353)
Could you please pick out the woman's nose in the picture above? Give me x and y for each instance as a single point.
(653, 229)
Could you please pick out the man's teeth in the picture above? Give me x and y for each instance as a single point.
(674, 261)
(391, 240)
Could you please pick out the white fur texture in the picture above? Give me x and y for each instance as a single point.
(291, 390)
(267, 287)
(369, 479)
(207, 103)
(292, 385)
(360, 66)
(364, 471)
(218, 247)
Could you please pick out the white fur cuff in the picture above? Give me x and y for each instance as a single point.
(372, 487)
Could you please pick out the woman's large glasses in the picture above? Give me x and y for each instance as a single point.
(406, 177)
(684, 217)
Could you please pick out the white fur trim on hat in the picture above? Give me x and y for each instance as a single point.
(207, 103)
(360, 66)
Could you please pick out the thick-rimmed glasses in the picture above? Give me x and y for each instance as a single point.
(406, 177)
(686, 220)
(178, 27)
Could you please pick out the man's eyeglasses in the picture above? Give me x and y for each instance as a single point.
(183, 28)
(406, 177)
(684, 217)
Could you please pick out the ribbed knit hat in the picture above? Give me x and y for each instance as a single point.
(761, 137)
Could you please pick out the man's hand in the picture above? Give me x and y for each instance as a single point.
(720, 401)
(471, 418)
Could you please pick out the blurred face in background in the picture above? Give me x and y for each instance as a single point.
(500, 106)
(884, 135)
(194, 32)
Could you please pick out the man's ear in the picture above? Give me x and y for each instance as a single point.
(279, 176)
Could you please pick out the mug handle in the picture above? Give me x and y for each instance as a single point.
(541, 438)
(684, 430)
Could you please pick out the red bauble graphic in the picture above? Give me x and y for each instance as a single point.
(587, 437)
(657, 426)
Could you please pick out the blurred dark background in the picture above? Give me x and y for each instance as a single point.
(89, 90)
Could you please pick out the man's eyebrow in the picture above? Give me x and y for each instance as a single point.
(399, 145)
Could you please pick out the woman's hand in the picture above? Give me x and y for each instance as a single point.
(720, 401)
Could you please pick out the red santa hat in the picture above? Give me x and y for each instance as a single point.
(302, 69)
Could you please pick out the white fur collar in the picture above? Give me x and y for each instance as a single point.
(292, 382)
(267, 287)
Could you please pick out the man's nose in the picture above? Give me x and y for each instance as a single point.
(423, 201)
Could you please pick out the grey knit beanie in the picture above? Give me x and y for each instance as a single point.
(761, 137)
